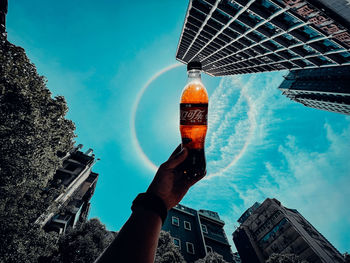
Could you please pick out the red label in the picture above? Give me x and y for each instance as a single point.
(193, 114)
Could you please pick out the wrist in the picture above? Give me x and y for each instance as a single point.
(150, 202)
(146, 214)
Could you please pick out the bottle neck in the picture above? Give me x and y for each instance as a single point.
(194, 75)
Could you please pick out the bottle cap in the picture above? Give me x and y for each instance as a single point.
(194, 65)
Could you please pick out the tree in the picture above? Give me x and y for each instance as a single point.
(285, 258)
(33, 136)
(346, 256)
(83, 244)
(166, 251)
(212, 258)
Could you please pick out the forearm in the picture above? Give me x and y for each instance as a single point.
(137, 240)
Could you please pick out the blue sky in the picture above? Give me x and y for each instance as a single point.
(259, 144)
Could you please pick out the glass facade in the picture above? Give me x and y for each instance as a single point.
(239, 36)
(323, 88)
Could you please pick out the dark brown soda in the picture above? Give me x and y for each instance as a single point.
(193, 126)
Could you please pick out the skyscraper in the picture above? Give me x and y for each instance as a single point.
(323, 88)
(245, 36)
(197, 233)
(273, 228)
(78, 183)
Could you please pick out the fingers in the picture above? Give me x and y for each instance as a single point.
(177, 150)
(177, 159)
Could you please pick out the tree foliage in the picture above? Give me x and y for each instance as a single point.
(212, 258)
(166, 251)
(285, 258)
(83, 244)
(33, 136)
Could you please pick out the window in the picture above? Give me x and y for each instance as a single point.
(273, 231)
(72, 166)
(289, 19)
(288, 39)
(345, 54)
(204, 229)
(175, 221)
(324, 60)
(187, 225)
(177, 242)
(330, 45)
(272, 8)
(312, 33)
(309, 50)
(190, 248)
(209, 249)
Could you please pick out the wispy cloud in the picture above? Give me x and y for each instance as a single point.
(295, 154)
(231, 123)
(316, 183)
(235, 106)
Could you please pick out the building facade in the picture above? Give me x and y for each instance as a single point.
(323, 88)
(197, 233)
(339, 9)
(246, 36)
(78, 183)
(273, 228)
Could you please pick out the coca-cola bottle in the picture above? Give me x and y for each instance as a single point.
(193, 121)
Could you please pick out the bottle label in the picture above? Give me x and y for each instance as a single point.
(193, 113)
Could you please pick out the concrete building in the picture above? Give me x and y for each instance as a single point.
(323, 88)
(78, 182)
(272, 228)
(197, 233)
(247, 36)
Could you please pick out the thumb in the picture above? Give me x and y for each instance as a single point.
(178, 158)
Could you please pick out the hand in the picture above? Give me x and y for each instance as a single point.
(170, 184)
